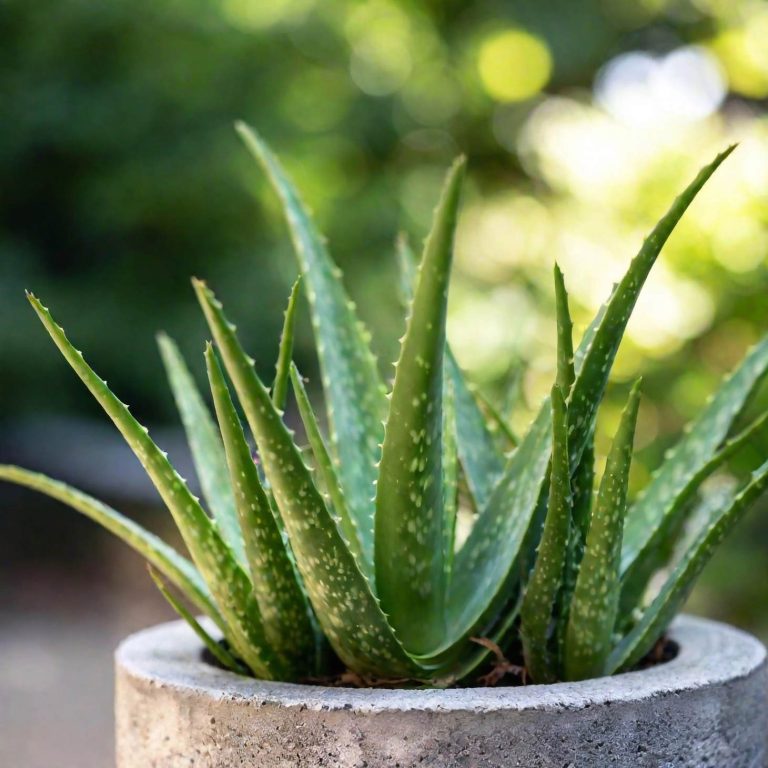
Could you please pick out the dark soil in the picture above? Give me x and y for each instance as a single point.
(500, 673)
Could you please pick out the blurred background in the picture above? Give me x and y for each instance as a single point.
(121, 176)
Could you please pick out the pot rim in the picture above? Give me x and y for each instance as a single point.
(170, 656)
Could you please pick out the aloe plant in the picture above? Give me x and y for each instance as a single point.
(350, 542)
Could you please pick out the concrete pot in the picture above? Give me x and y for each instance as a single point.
(707, 707)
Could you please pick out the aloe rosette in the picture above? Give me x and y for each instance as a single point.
(350, 542)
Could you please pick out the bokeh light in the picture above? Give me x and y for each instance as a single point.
(514, 65)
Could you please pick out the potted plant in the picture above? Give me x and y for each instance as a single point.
(348, 625)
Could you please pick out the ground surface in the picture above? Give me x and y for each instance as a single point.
(57, 634)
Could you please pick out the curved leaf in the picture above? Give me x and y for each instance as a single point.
(409, 491)
(590, 383)
(175, 567)
(282, 605)
(228, 583)
(344, 602)
(221, 654)
(205, 445)
(345, 521)
(647, 515)
(283, 366)
(660, 543)
(480, 458)
(660, 612)
(537, 625)
(354, 392)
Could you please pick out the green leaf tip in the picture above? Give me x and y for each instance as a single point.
(285, 354)
(355, 395)
(565, 364)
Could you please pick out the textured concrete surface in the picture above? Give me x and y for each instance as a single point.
(707, 707)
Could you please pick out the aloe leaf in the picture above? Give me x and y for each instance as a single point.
(480, 458)
(582, 483)
(282, 605)
(342, 597)
(283, 367)
(354, 392)
(565, 367)
(485, 573)
(228, 583)
(409, 491)
(590, 383)
(450, 478)
(660, 544)
(691, 454)
(594, 605)
(175, 567)
(634, 646)
(221, 654)
(482, 461)
(325, 468)
(537, 621)
(205, 445)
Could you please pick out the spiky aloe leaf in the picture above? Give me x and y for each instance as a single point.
(647, 515)
(590, 383)
(660, 544)
(205, 445)
(593, 608)
(582, 483)
(565, 365)
(409, 491)
(485, 573)
(450, 478)
(480, 458)
(175, 567)
(678, 585)
(282, 605)
(283, 366)
(221, 654)
(537, 620)
(344, 602)
(355, 395)
(325, 468)
(483, 566)
(228, 583)
(487, 564)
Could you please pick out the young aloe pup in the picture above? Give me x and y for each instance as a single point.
(353, 543)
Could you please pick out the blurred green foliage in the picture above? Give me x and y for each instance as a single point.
(120, 176)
